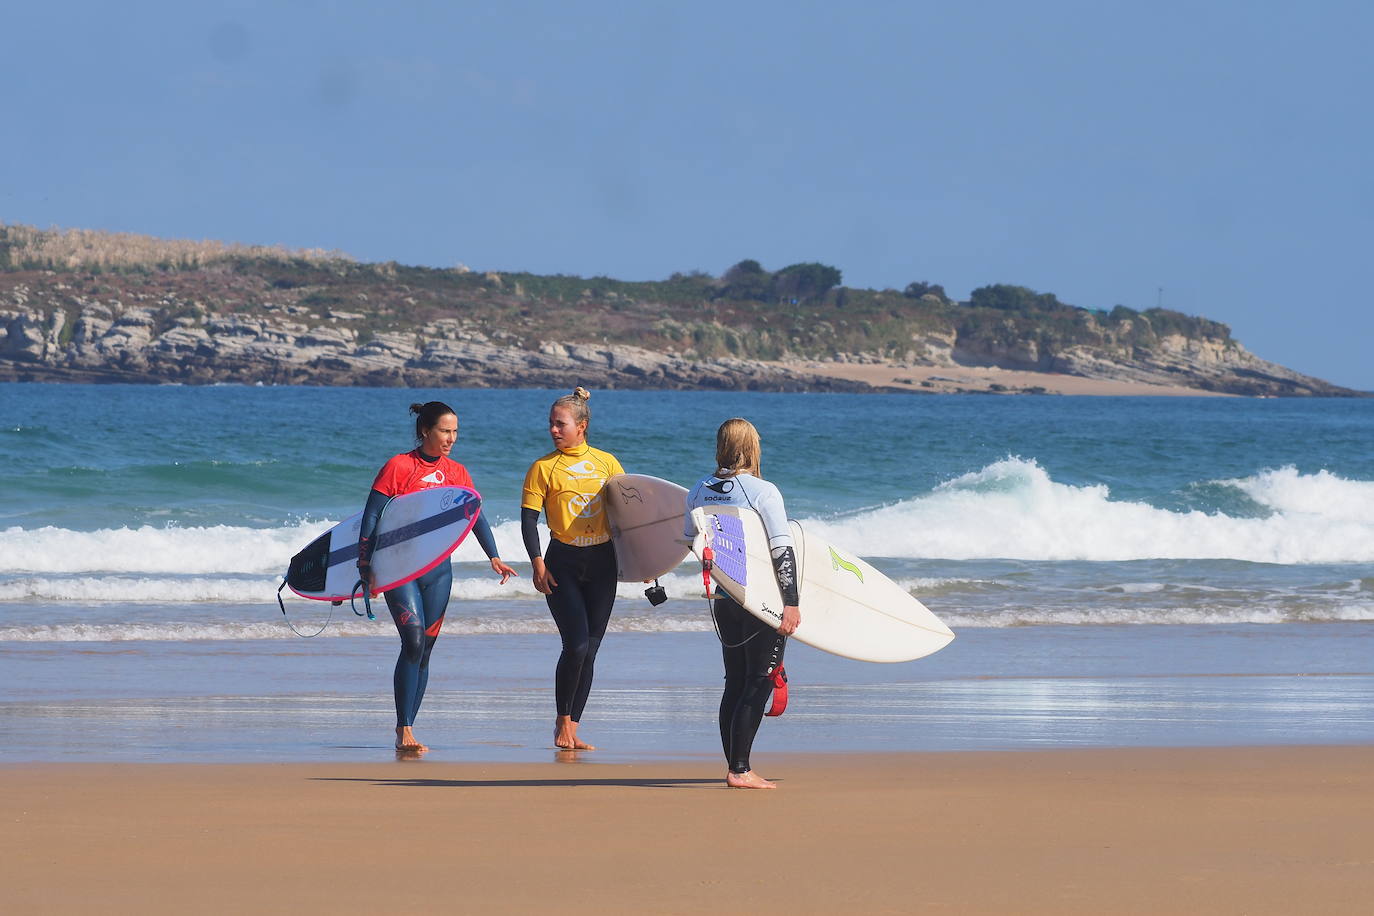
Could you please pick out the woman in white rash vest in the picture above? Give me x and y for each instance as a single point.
(752, 650)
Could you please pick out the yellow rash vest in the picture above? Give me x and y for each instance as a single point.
(566, 485)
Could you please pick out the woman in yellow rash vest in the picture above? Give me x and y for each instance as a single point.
(577, 574)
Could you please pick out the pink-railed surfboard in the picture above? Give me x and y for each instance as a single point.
(416, 533)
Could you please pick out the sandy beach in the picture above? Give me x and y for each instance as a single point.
(1158, 700)
(986, 379)
(1234, 830)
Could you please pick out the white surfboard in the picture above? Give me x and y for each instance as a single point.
(416, 533)
(847, 607)
(646, 515)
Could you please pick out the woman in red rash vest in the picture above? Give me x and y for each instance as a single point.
(418, 606)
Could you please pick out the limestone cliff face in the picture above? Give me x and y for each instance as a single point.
(108, 343)
(1211, 363)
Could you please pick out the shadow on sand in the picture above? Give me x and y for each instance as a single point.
(497, 783)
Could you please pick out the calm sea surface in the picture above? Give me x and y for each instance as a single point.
(1119, 571)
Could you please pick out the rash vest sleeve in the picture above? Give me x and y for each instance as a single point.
(536, 488)
(768, 504)
(785, 568)
(481, 529)
(529, 530)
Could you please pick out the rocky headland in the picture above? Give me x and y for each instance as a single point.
(211, 314)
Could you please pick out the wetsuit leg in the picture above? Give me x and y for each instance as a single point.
(418, 609)
(598, 593)
(569, 612)
(750, 650)
(581, 607)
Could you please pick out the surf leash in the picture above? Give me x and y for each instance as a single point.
(366, 586)
(708, 562)
(323, 626)
(778, 705)
(364, 574)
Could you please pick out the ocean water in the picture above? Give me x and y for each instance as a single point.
(1119, 571)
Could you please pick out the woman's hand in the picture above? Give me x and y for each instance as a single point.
(791, 619)
(502, 570)
(544, 582)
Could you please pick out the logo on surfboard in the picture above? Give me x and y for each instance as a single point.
(630, 494)
(763, 606)
(837, 563)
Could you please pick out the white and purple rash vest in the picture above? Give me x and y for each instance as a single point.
(746, 490)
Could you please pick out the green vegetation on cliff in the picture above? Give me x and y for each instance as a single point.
(798, 311)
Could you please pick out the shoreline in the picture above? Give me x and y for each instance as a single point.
(849, 378)
(1241, 829)
(490, 696)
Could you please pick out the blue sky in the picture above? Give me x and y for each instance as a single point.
(1214, 157)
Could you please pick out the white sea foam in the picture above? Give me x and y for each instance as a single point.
(1193, 615)
(138, 589)
(1321, 495)
(343, 624)
(155, 590)
(172, 632)
(150, 549)
(1012, 509)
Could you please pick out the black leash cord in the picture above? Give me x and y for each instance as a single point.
(282, 605)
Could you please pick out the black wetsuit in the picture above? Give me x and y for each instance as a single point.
(752, 650)
(581, 606)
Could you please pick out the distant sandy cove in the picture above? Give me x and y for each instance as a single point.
(947, 379)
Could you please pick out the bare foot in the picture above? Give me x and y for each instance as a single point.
(565, 736)
(747, 780)
(406, 740)
(410, 753)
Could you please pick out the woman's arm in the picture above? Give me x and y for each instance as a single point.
(529, 533)
(785, 568)
(774, 513)
(372, 514)
(481, 530)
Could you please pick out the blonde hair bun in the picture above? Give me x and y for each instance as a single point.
(577, 403)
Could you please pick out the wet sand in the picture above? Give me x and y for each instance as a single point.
(1231, 830)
